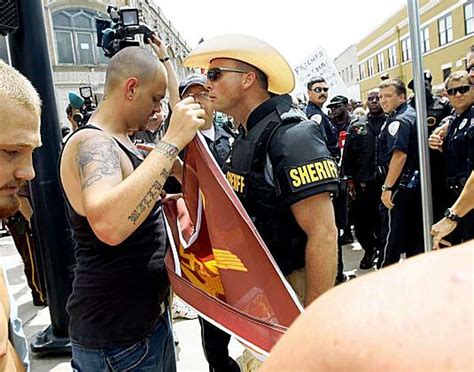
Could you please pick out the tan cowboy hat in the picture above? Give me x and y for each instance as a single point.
(250, 50)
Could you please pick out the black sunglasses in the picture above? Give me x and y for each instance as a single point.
(469, 68)
(373, 98)
(464, 89)
(319, 90)
(215, 73)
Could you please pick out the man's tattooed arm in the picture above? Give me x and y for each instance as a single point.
(148, 201)
(170, 152)
(96, 159)
(166, 149)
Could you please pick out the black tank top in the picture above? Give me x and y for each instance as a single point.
(117, 291)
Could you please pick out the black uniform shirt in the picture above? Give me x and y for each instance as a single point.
(458, 144)
(298, 163)
(317, 115)
(359, 151)
(398, 133)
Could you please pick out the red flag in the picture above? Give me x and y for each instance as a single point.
(220, 264)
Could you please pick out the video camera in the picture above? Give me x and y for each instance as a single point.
(119, 33)
(85, 104)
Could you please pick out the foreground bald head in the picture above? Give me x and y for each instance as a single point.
(134, 86)
(413, 316)
(132, 62)
(20, 111)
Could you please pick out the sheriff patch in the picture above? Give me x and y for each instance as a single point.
(236, 181)
(311, 174)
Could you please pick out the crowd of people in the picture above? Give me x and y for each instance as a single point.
(306, 174)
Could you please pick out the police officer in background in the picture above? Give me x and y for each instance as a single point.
(215, 341)
(217, 135)
(340, 115)
(359, 167)
(397, 160)
(318, 95)
(437, 109)
(341, 118)
(456, 141)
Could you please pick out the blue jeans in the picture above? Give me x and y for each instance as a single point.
(152, 353)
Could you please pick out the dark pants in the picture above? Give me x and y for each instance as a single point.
(402, 227)
(215, 343)
(366, 216)
(341, 216)
(23, 238)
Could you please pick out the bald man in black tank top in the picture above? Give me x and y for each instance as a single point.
(118, 320)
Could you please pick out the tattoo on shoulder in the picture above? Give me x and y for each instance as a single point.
(166, 149)
(95, 159)
(148, 201)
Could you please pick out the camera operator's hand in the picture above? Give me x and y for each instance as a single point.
(158, 46)
(187, 118)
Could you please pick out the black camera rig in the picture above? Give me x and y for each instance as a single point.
(119, 32)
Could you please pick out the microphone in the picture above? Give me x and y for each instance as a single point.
(75, 100)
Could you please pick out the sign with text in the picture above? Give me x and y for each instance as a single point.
(318, 63)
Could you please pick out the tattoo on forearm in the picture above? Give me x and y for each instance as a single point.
(148, 201)
(166, 149)
(164, 173)
(96, 158)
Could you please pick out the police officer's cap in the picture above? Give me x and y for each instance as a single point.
(336, 100)
(190, 80)
(427, 76)
(255, 52)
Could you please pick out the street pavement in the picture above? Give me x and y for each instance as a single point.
(190, 354)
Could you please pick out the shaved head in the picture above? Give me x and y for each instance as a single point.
(132, 62)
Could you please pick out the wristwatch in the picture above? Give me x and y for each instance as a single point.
(450, 215)
(386, 188)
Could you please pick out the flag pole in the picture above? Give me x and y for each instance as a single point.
(422, 128)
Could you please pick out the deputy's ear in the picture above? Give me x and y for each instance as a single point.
(249, 79)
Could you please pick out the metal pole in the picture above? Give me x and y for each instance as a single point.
(29, 54)
(422, 129)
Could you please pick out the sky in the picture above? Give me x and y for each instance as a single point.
(294, 28)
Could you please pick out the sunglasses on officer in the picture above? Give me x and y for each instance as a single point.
(319, 90)
(373, 98)
(462, 90)
(215, 73)
(469, 68)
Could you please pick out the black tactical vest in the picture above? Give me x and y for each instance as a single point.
(245, 172)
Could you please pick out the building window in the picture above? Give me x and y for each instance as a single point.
(468, 17)
(76, 37)
(446, 72)
(406, 49)
(445, 26)
(362, 71)
(425, 40)
(352, 72)
(392, 56)
(380, 62)
(370, 67)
